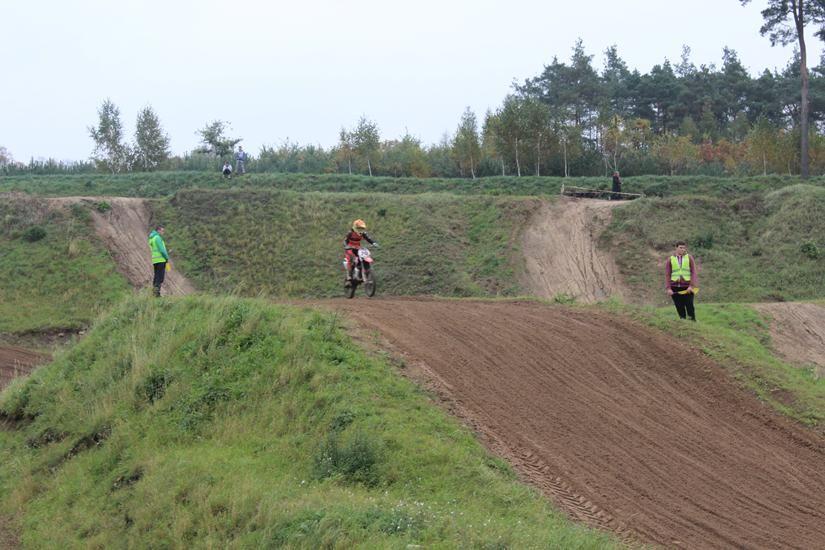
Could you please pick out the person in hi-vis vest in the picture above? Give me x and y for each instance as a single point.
(160, 258)
(681, 281)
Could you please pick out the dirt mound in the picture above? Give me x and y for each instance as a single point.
(124, 229)
(561, 254)
(16, 362)
(625, 428)
(798, 332)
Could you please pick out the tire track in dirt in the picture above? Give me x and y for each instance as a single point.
(560, 251)
(124, 228)
(798, 332)
(15, 361)
(623, 427)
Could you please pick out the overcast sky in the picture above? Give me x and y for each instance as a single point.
(301, 70)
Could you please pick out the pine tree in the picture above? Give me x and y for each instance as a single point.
(785, 22)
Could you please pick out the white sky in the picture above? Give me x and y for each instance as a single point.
(302, 70)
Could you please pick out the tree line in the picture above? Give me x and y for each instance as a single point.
(568, 120)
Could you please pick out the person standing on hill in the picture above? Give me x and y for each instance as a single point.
(240, 159)
(681, 281)
(617, 186)
(160, 258)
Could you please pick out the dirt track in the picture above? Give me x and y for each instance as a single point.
(16, 361)
(798, 332)
(124, 229)
(621, 426)
(561, 255)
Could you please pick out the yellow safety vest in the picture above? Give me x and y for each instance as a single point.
(680, 272)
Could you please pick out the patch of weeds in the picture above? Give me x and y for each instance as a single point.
(93, 439)
(47, 436)
(80, 213)
(810, 249)
(102, 206)
(704, 241)
(124, 481)
(406, 518)
(153, 387)
(341, 421)
(34, 234)
(354, 459)
(564, 298)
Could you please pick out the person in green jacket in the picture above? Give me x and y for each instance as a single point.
(160, 257)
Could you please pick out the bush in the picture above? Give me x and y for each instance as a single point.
(355, 459)
(34, 234)
(810, 250)
(102, 206)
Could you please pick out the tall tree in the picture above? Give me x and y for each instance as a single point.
(214, 141)
(785, 22)
(110, 152)
(366, 141)
(345, 148)
(762, 141)
(510, 130)
(466, 147)
(5, 157)
(151, 146)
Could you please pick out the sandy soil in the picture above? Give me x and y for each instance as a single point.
(15, 361)
(561, 255)
(798, 332)
(8, 538)
(125, 229)
(623, 427)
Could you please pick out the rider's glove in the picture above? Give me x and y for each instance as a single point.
(375, 244)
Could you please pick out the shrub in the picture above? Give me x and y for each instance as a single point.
(354, 459)
(34, 234)
(102, 206)
(810, 249)
(704, 241)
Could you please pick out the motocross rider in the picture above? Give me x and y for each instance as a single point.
(352, 243)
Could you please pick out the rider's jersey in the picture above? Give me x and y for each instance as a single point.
(353, 239)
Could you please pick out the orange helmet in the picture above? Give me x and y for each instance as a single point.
(359, 226)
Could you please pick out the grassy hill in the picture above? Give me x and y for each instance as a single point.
(54, 273)
(291, 244)
(162, 184)
(758, 247)
(219, 422)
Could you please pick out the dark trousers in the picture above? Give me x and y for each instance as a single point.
(160, 275)
(684, 304)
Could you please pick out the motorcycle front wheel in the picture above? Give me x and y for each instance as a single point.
(369, 284)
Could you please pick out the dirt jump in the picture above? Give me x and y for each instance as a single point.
(623, 427)
(561, 255)
(16, 362)
(798, 333)
(124, 228)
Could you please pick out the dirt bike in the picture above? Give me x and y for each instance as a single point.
(361, 274)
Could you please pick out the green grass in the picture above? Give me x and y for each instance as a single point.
(760, 247)
(160, 184)
(54, 273)
(737, 337)
(283, 243)
(226, 423)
